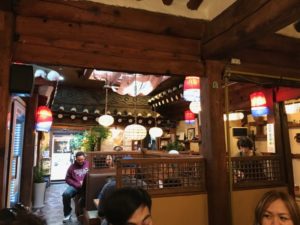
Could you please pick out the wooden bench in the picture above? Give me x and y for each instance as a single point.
(94, 184)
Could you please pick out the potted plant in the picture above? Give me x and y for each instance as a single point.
(93, 138)
(175, 146)
(39, 187)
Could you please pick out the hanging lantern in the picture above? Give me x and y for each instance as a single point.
(155, 132)
(234, 116)
(189, 117)
(258, 104)
(191, 89)
(43, 118)
(195, 107)
(106, 120)
(135, 132)
(292, 108)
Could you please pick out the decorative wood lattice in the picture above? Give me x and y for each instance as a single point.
(191, 4)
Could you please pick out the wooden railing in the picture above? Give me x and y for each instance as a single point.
(163, 176)
(257, 172)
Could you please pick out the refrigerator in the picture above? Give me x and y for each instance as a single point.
(16, 140)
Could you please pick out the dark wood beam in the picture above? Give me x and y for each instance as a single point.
(26, 184)
(276, 71)
(270, 58)
(6, 5)
(213, 143)
(278, 43)
(6, 34)
(73, 44)
(112, 16)
(55, 56)
(240, 31)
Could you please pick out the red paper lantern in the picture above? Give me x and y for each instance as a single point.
(189, 117)
(191, 89)
(43, 119)
(258, 104)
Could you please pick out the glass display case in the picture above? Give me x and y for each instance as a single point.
(15, 152)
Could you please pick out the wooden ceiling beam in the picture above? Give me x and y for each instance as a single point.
(271, 58)
(279, 71)
(87, 33)
(259, 20)
(112, 16)
(96, 46)
(58, 56)
(279, 43)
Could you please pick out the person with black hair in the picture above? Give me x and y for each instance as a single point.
(247, 169)
(128, 205)
(74, 178)
(129, 179)
(19, 216)
(245, 146)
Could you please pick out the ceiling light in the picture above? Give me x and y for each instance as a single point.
(234, 116)
(135, 131)
(195, 107)
(106, 120)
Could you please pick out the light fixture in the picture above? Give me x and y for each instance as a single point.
(234, 116)
(191, 88)
(195, 107)
(106, 120)
(258, 104)
(135, 131)
(43, 118)
(292, 108)
(155, 131)
(189, 117)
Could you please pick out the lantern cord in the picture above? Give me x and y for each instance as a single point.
(50, 102)
(135, 98)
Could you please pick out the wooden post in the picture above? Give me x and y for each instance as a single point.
(282, 142)
(6, 33)
(28, 151)
(213, 144)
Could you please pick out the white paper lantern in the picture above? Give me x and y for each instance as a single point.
(106, 120)
(135, 132)
(195, 107)
(155, 132)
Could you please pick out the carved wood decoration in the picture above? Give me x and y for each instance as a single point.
(191, 4)
(194, 4)
(167, 2)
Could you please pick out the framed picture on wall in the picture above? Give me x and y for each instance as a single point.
(190, 133)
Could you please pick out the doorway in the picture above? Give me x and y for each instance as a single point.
(61, 157)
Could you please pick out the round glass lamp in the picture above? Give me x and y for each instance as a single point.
(155, 132)
(195, 107)
(135, 132)
(106, 120)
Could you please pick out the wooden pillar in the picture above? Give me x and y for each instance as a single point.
(6, 33)
(282, 143)
(213, 144)
(28, 151)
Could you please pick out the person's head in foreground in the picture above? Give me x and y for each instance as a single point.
(277, 208)
(128, 206)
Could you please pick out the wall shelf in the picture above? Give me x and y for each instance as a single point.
(293, 125)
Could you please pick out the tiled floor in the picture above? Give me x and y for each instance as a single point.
(53, 209)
